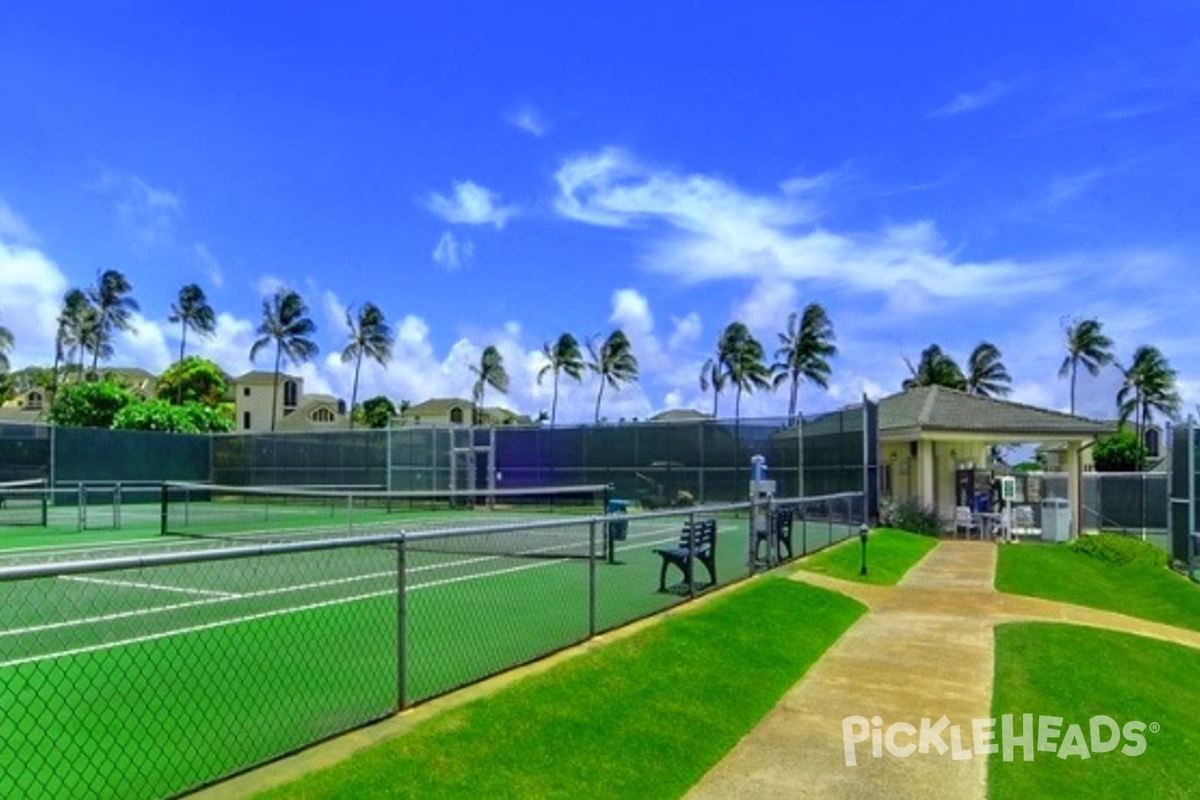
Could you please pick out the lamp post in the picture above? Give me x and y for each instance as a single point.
(862, 537)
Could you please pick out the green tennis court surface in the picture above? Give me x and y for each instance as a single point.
(146, 682)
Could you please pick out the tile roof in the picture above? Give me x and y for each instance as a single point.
(936, 408)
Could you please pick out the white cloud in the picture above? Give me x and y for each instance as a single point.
(528, 119)
(13, 228)
(965, 102)
(769, 301)
(471, 204)
(707, 230)
(685, 332)
(1067, 187)
(269, 284)
(452, 253)
(31, 289)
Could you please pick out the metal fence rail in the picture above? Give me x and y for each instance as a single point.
(148, 675)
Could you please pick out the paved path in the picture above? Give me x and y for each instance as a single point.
(924, 649)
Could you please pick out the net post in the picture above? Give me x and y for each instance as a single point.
(401, 625)
(81, 506)
(163, 507)
(45, 502)
(803, 529)
(591, 578)
(116, 499)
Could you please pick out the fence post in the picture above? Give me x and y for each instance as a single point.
(591, 578)
(81, 506)
(401, 626)
(163, 525)
(116, 500)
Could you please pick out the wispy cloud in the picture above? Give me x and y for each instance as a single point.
(528, 119)
(470, 204)
(1067, 187)
(966, 102)
(703, 229)
(13, 228)
(451, 253)
(147, 214)
(209, 264)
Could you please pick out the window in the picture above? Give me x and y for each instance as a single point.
(245, 420)
(1150, 438)
(456, 416)
(290, 391)
(34, 402)
(245, 391)
(322, 415)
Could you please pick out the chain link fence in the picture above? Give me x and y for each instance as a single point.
(150, 675)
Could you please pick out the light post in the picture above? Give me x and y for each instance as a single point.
(862, 537)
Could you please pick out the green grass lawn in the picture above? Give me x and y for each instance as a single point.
(621, 721)
(1056, 572)
(1077, 673)
(890, 554)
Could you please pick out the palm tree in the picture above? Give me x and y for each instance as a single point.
(563, 355)
(490, 372)
(68, 338)
(1149, 386)
(285, 322)
(744, 363)
(369, 336)
(91, 337)
(614, 362)
(1086, 345)
(6, 346)
(986, 374)
(804, 352)
(192, 311)
(712, 376)
(110, 296)
(935, 369)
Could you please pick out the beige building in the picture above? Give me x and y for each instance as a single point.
(254, 391)
(927, 435)
(455, 411)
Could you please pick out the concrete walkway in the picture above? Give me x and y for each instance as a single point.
(924, 649)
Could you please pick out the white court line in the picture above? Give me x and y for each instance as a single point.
(159, 587)
(224, 598)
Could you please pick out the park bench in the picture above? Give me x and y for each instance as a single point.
(779, 520)
(697, 542)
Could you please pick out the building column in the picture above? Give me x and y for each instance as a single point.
(926, 477)
(1075, 487)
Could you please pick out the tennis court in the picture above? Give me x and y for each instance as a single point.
(191, 659)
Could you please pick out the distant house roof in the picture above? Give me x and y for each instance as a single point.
(936, 408)
(679, 415)
(436, 405)
(262, 376)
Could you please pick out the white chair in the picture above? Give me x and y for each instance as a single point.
(965, 521)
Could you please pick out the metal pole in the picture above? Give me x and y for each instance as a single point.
(401, 627)
(1191, 512)
(591, 579)
(81, 506)
(163, 509)
(116, 499)
(387, 483)
(691, 560)
(866, 456)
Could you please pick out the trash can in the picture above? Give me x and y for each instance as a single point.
(617, 529)
(1056, 519)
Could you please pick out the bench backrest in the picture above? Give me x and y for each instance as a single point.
(703, 533)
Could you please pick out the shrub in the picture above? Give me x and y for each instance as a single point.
(90, 405)
(909, 515)
(1119, 452)
(1120, 550)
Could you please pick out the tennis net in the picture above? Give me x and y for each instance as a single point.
(549, 522)
(23, 502)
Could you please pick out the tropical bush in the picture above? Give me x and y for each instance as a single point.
(1119, 452)
(909, 515)
(90, 405)
(160, 415)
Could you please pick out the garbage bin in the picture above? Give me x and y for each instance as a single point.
(1056, 519)
(618, 529)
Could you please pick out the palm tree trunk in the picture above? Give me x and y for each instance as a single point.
(275, 385)
(182, 340)
(1073, 365)
(792, 399)
(554, 402)
(716, 396)
(599, 395)
(354, 390)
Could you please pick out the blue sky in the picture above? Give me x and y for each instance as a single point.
(499, 173)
